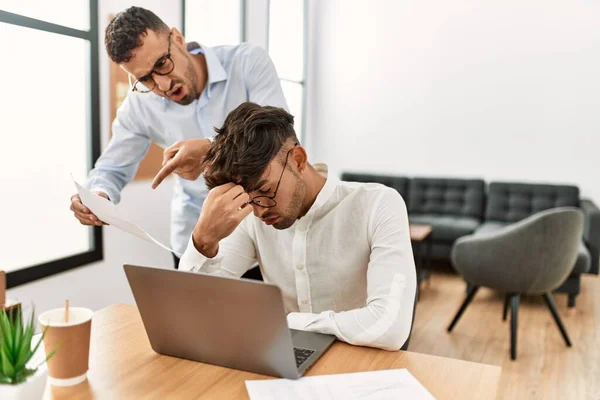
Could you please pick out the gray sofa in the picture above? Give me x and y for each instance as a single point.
(459, 207)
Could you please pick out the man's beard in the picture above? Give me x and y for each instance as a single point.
(295, 207)
(192, 81)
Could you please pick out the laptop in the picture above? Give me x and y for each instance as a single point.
(234, 323)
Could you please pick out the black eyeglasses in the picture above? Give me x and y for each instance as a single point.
(163, 66)
(269, 201)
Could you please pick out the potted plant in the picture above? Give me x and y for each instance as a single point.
(20, 377)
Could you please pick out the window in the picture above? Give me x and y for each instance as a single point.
(287, 43)
(213, 22)
(50, 131)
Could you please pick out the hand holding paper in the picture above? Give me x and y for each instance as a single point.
(107, 212)
(82, 213)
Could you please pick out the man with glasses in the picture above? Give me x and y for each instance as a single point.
(340, 252)
(177, 97)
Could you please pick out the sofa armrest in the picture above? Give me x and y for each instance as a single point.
(591, 232)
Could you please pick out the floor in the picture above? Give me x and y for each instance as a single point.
(545, 368)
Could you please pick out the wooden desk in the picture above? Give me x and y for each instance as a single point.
(123, 366)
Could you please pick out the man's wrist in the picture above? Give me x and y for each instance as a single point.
(102, 193)
(205, 246)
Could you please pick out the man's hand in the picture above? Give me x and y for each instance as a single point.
(82, 213)
(223, 210)
(183, 158)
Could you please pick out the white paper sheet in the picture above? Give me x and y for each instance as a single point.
(373, 385)
(107, 212)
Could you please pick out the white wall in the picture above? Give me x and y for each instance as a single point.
(502, 89)
(104, 283)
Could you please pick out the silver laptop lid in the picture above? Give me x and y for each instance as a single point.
(229, 322)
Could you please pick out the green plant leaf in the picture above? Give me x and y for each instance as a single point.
(7, 367)
(5, 379)
(31, 324)
(24, 357)
(22, 375)
(25, 352)
(49, 356)
(5, 327)
(18, 337)
(2, 373)
(38, 345)
(4, 353)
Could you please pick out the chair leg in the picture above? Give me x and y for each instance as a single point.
(514, 310)
(506, 301)
(552, 306)
(571, 302)
(470, 295)
(468, 288)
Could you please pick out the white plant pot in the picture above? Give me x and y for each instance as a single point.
(32, 389)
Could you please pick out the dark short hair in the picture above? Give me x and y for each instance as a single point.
(249, 139)
(124, 33)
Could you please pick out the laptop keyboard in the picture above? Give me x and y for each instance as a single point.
(302, 355)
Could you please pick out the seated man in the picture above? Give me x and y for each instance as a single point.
(340, 252)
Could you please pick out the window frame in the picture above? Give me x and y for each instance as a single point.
(46, 269)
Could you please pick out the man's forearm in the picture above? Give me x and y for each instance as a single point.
(205, 246)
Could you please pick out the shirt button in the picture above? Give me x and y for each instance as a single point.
(300, 267)
(304, 302)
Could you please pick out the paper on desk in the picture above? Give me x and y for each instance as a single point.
(372, 385)
(107, 212)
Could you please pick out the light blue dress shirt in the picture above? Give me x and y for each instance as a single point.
(236, 74)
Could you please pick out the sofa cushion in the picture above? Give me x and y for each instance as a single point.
(453, 197)
(511, 202)
(446, 228)
(584, 259)
(399, 183)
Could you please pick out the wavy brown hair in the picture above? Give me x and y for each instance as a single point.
(125, 32)
(249, 139)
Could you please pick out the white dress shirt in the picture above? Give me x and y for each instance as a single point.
(346, 268)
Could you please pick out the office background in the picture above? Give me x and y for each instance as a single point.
(505, 91)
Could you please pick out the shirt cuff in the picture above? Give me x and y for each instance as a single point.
(95, 185)
(192, 259)
(297, 320)
(102, 191)
(320, 323)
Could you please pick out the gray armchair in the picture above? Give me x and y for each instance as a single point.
(533, 256)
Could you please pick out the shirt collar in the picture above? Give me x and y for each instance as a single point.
(216, 72)
(324, 195)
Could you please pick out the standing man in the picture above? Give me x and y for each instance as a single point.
(176, 95)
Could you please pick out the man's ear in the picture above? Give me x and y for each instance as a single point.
(178, 37)
(300, 158)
